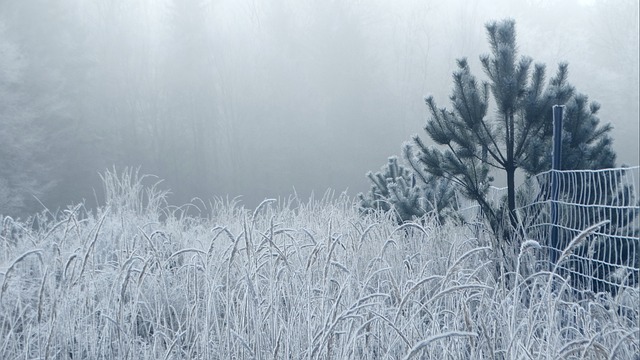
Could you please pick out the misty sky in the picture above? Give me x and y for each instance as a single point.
(256, 98)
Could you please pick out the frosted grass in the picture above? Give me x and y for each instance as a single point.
(288, 280)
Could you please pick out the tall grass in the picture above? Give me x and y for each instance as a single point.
(137, 279)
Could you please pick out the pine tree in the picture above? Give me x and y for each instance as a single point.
(410, 195)
(504, 125)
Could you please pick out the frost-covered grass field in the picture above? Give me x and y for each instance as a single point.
(288, 280)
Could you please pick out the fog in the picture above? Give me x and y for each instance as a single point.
(266, 98)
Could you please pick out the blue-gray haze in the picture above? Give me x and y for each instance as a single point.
(258, 98)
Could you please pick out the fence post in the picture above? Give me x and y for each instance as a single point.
(556, 165)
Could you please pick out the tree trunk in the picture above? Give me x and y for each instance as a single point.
(511, 195)
(510, 168)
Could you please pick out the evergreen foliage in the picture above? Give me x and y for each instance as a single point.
(505, 124)
(408, 194)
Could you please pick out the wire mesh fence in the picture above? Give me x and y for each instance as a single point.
(607, 259)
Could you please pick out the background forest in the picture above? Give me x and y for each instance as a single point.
(256, 98)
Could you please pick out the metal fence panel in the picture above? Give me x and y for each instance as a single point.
(608, 258)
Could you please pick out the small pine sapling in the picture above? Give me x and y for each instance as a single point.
(409, 195)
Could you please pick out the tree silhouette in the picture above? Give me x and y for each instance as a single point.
(504, 124)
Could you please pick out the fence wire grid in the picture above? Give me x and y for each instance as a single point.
(608, 258)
